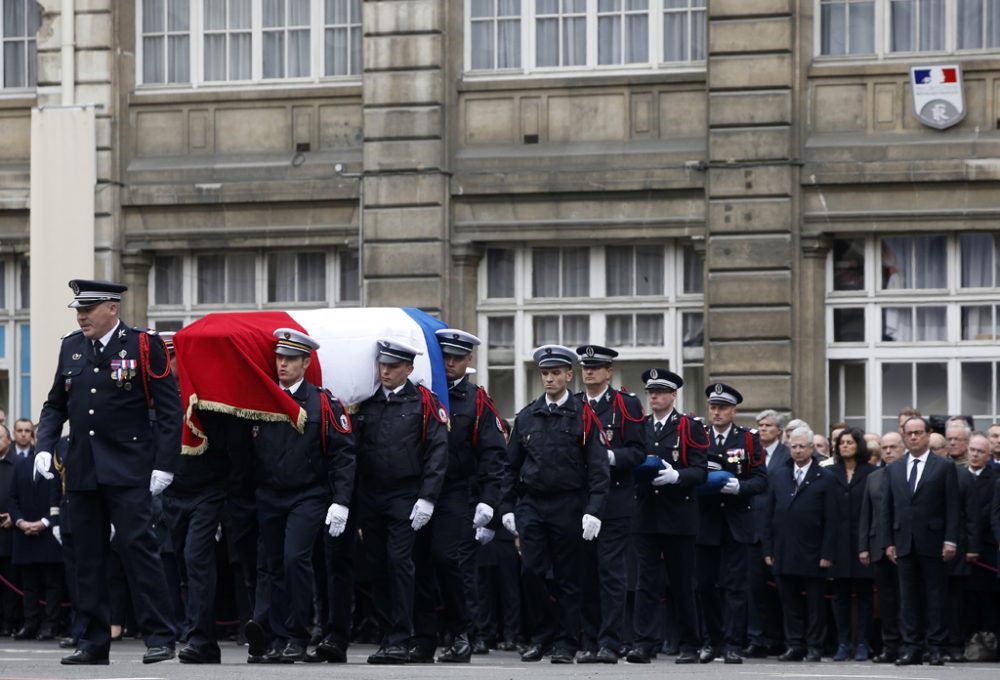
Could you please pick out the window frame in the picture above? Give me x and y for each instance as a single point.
(26, 41)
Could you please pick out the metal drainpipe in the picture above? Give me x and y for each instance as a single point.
(67, 51)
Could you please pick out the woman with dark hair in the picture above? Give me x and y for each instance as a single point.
(852, 581)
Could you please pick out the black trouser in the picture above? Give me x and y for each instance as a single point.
(923, 585)
(722, 592)
(677, 553)
(10, 602)
(551, 535)
(499, 587)
(67, 537)
(764, 611)
(887, 584)
(388, 542)
(290, 521)
(804, 609)
(844, 591)
(193, 519)
(129, 509)
(339, 556)
(442, 556)
(605, 585)
(955, 618)
(239, 520)
(42, 582)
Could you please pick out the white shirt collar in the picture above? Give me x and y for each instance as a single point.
(395, 390)
(770, 449)
(804, 468)
(294, 388)
(599, 397)
(725, 434)
(565, 398)
(665, 417)
(922, 457)
(107, 337)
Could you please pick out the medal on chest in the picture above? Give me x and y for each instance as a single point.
(735, 457)
(123, 370)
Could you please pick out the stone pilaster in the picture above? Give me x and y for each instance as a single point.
(810, 332)
(465, 259)
(135, 275)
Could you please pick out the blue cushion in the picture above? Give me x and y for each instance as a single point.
(645, 474)
(716, 480)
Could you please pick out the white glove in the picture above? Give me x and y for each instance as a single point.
(336, 519)
(111, 536)
(484, 514)
(508, 523)
(732, 486)
(668, 475)
(421, 514)
(611, 457)
(43, 461)
(159, 481)
(591, 527)
(57, 534)
(484, 535)
(218, 533)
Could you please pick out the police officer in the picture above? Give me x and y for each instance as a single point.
(111, 380)
(298, 475)
(666, 519)
(605, 582)
(444, 552)
(725, 526)
(557, 484)
(402, 433)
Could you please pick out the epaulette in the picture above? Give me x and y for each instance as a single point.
(71, 333)
(147, 331)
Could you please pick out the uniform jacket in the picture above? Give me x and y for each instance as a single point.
(672, 508)
(6, 483)
(850, 498)
(211, 468)
(871, 536)
(626, 437)
(995, 511)
(779, 457)
(29, 500)
(967, 521)
(549, 455)
(983, 542)
(475, 451)
(734, 510)
(923, 522)
(113, 439)
(803, 524)
(287, 460)
(394, 456)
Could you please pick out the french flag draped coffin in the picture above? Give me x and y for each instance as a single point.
(226, 361)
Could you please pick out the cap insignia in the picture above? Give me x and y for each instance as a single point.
(718, 388)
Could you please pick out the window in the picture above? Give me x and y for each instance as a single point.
(198, 42)
(913, 262)
(888, 27)
(19, 23)
(524, 36)
(296, 277)
(169, 284)
(633, 298)
(15, 337)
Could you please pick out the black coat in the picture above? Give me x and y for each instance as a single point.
(803, 525)
(850, 498)
(781, 455)
(476, 445)
(983, 542)
(29, 500)
(395, 458)
(7, 463)
(113, 439)
(626, 435)
(923, 522)
(967, 522)
(736, 511)
(672, 508)
(871, 536)
(549, 454)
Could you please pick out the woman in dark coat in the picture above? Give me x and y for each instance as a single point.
(851, 579)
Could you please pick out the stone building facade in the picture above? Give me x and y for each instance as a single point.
(738, 189)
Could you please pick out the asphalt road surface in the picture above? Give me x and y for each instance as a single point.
(41, 660)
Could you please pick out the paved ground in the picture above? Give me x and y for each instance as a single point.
(41, 660)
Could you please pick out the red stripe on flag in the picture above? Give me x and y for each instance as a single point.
(950, 75)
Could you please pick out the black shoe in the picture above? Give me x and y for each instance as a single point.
(67, 643)
(391, 655)
(956, 655)
(258, 641)
(606, 655)
(505, 646)
(560, 655)
(293, 652)
(192, 654)
(686, 657)
(754, 651)
(732, 656)
(792, 654)
(420, 654)
(83, 657)
(157, 654)
(480, 647)
(638, 655)
(887, 656)
(670, 649)
(586, 656)
(26, 633)
(269, 656)
(45, 634)
(533, 653)
(706, 655)
(910, 659)
(459, 652)
(327, 651)
(936, 659)
(814, 656)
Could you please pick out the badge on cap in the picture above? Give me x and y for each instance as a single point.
(653, 374)
(718, 388)
(590, 351)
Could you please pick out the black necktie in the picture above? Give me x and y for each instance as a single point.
(913, 475)
(718, 440)
(553, 407)
(288, 392)
(97, 348)
(657, 428)
(593, 404)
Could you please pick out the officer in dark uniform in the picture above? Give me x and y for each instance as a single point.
(605, 574)
(445, 551)
(726, 528)
(665, 522)
(298, 475)
(402, 433)
(557, 477)
(111, 382)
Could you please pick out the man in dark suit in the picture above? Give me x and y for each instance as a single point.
(111, 382)
(800, 540)
(726, 528)
(10, 603)
(764, 619)
(920, 521)
(871, 542)
(665, 521)
(982, 603)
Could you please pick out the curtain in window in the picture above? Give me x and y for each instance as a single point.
(576, 330)
(240, 277)
(298, 40)
(932, 388)
(547, 42)
(281, 277)
(649, 271)
(240, 42)
(649, 330)
(862, 27)
(545, 272)
(902, 26)
(618, 270)
(576, 272)
(992, 23)
(211, 278)
(977, 392)
(970, 24)
(619, 330)
(897, 389)
(977, 322)
(179, 41)
(917, 25)
(977, 260)
(350, 286)
(931, 262)
(215, 43)
(896, 265)
(932, 324)
(499, 273)
(546, 330)
(833, 23)
(482, 46)
(509, 34)
(675, 34)
(274, 38)
(609, 36)
(312, 277)
(152, 45)
(897, 324)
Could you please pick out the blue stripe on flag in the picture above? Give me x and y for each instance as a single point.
(428, 324)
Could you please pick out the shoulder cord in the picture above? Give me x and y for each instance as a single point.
(328, 416)
(432, 409)
(760, 459)
(684, 434)
(590, 419)
(484, 402)
(146, 369)
(619, 405)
